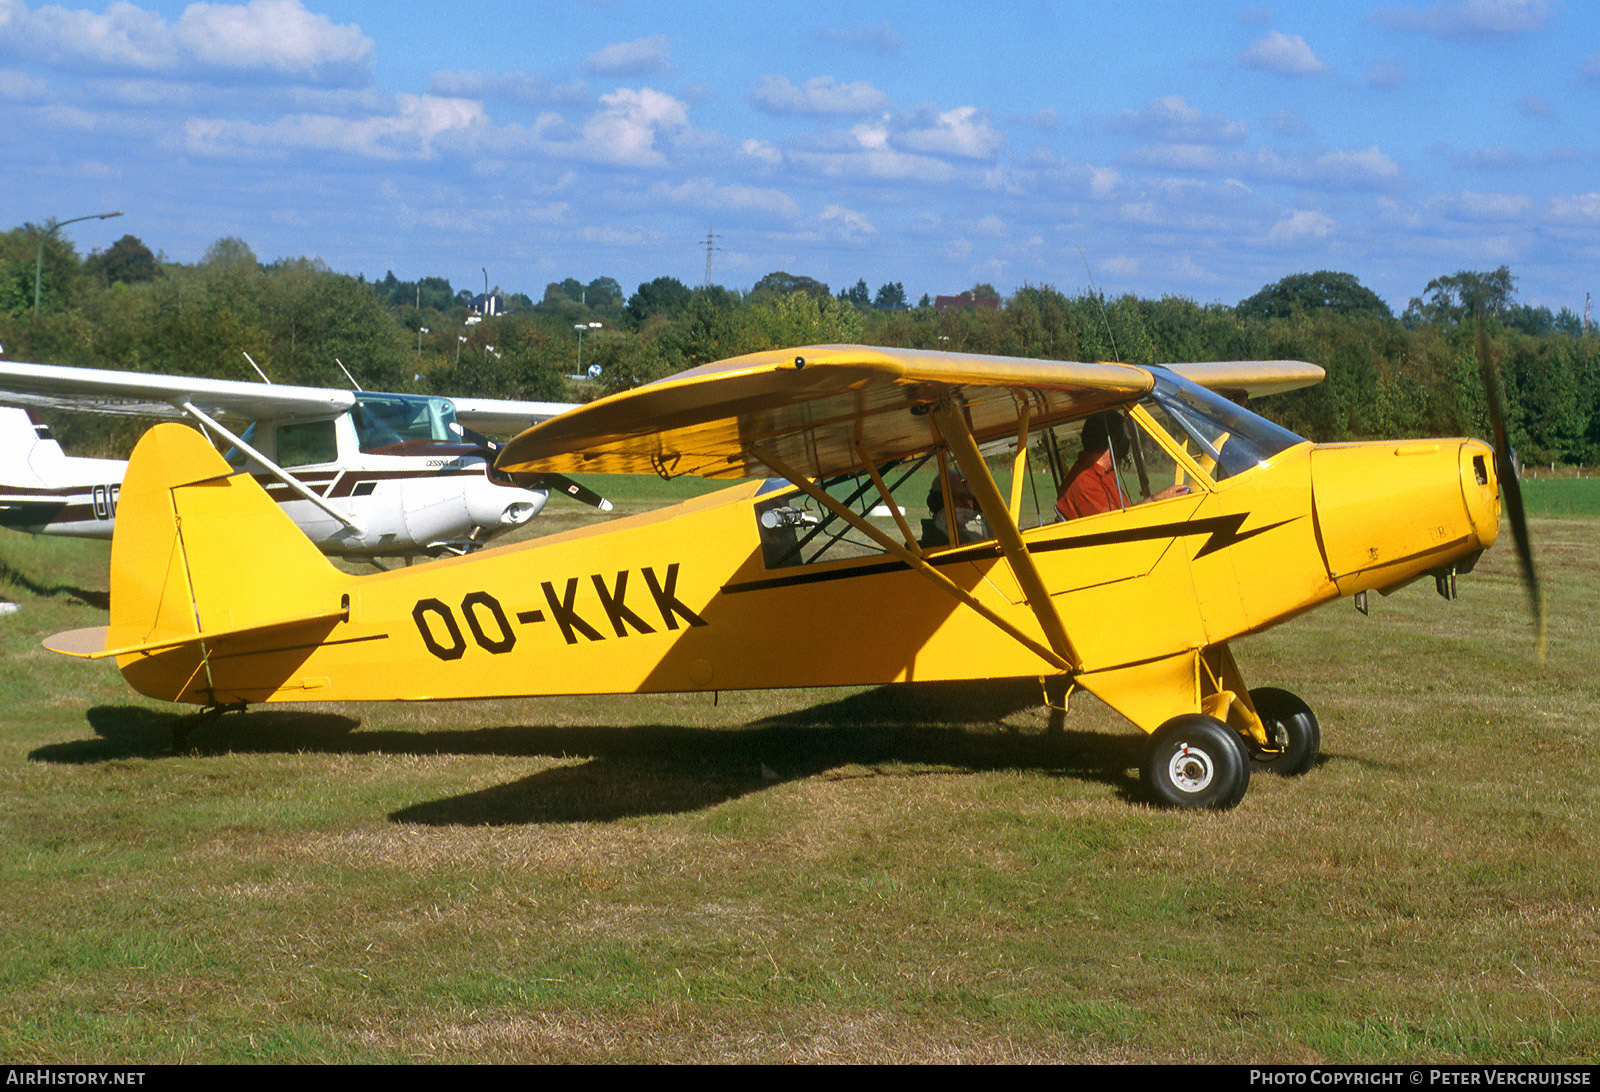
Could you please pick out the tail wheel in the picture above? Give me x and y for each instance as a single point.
(1196, 761)
(1292, 728)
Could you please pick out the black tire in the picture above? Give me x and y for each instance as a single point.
(1292, 727)
(1196, 761)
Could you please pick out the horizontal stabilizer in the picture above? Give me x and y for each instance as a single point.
(91, 643)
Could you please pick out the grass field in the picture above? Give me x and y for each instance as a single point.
(895, 874)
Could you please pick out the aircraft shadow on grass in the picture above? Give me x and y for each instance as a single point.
(100, 600)
(912, 730)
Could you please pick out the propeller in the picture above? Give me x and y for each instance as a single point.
(560, 483)
(553, 482)
(1510, 487)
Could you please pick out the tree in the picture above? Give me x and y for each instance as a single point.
(781, 284)
(604, 292)
(230, 250)
(128, 261)
(1449, 300)
(1309, 292)
(890, 297)
(860, 296)
(662, 296)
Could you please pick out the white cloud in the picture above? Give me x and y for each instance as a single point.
(1301, 224)
(20, 86)
(1172, 120)
(866, 152)
(704, 193)
(411, 132)
(1494, 157)
(624, 132)
(879, 37)
(1285, 54)
(640, 57)
(1466, 19)
(819, 95)
(965, 131)
(846, 223)
(1103, 181)
(1046, 119)
(1178, 157)
(1575, 208)
(271, 35)
(1285, 123)
(277, 38)
(527, 88)
(1485, 206)
(1388, 74)
(1366, 167)
(762, 151)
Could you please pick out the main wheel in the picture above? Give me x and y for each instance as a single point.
(1196, 761)
(1292, 727)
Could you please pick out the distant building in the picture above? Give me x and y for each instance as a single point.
(488, 305)
(966, 299)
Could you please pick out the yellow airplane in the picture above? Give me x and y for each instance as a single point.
(884, 540)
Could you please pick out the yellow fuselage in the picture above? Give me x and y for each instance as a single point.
(682, 599)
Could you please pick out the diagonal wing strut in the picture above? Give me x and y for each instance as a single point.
(912, 556)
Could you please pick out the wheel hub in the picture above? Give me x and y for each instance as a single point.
(1191, 770)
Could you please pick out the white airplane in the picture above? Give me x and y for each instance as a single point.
(364, 474)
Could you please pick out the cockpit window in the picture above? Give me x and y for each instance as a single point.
(307, 443)
(796, 530)
(1227, 439)
(384, 419)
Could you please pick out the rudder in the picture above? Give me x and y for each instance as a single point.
(200, 548)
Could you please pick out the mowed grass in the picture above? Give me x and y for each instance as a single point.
(891, 874)
(1562, 496)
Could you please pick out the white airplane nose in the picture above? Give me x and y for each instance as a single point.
(518, 513)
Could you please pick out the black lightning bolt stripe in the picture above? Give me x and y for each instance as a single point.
(1221, 532)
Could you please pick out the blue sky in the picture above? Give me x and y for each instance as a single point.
(1192, 149)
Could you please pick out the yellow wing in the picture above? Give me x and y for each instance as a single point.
(815, 407)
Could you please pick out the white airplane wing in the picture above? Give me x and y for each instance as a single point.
(160, 397)
(499, 417)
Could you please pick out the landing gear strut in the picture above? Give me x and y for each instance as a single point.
(1292, 729)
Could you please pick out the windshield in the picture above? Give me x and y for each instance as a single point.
(384, 419)
(1229, 438)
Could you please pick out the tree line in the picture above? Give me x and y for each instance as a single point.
(1415, 374)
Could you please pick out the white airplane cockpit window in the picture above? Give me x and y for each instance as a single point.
(1227, 439)
(307, 443)
(382, 420)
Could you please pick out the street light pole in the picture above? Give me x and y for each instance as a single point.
(54, 225)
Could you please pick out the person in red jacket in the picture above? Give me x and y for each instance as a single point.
(1092, 486)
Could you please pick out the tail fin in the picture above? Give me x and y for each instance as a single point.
(202, 552)
(200, 548)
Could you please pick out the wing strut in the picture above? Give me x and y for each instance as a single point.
(272, 468)
(899, 550)
(953, 426)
